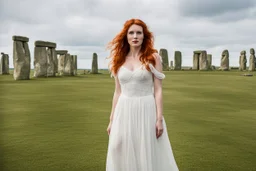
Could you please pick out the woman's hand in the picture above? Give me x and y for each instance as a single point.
(109, 127)
(159, 128)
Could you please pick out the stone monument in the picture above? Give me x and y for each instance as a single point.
(242, 61)
(252, 62)
(224, 62)
(21, 58)
(4, 64)
(45, 59)
(165, 63)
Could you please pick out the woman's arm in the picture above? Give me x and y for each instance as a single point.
(116, 95)
(158, 88)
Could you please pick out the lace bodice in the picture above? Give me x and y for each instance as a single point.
(138, 82)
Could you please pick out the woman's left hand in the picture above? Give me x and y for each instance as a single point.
(159, 128)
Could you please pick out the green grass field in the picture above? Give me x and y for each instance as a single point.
(59, 124)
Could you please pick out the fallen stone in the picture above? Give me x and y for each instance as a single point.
(248, 75)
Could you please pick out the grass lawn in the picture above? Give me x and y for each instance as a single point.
(59, 124)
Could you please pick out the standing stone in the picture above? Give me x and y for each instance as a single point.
(177, 60)
(44, 59)
(61, 64)
(4, 64)
(200, 60)
(74, 59)
(50, 63)
(196, 60)
(94, 64)
(242, 61)
(224, 63)
(40, 62)
(68, 68)
(171, 65)
(55, 60)
(252, 62)
(61, 60)
(21, 58)
(164, 54)
(209, 61)
(203, 65)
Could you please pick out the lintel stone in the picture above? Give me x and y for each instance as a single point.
(40, 43)
(61, 52)
(20, 38)
(199, 51)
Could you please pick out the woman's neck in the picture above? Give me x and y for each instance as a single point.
(134, 52)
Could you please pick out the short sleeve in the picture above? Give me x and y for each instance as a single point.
(157, 74)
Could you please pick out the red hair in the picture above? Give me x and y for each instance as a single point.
(120, 47)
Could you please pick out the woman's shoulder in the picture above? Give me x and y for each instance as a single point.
(157, 57)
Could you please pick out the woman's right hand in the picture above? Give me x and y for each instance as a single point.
(109, 127)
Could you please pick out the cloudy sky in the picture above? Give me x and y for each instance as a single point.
(86, 26)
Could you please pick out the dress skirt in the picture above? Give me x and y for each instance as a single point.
(133, 145)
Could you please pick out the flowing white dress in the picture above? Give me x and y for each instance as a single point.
(133, 145)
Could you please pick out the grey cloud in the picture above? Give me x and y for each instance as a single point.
(83, 27)
(216, 8)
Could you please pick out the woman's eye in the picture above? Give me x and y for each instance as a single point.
(131, 32)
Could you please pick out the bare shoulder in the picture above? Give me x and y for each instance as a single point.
(157, 57)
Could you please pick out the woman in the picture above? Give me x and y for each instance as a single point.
(138, 140)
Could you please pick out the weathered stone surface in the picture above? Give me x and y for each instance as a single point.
(21, 60)
(20, 38)
(247, 75)
(55, 60)
(252, 62)
(61, 64)
(74, 59)
(200, 60)
(177, 60)
(68, 69)
(40, 43)
(94, 64)
(242, 61)
(203, 65)
(196, 60)
(224, 63)
(61, 52)
(171, 65)
(45, 62)
(165, 63)
(4, 64)
(50, 63)
(40, 62)
(209, 61)
(198, 51)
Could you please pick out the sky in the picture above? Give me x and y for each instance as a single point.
(84, 27)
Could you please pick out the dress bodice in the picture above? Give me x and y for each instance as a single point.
(138, 82)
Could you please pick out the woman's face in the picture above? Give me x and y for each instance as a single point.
(135, 35)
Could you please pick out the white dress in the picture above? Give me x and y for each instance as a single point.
(133, 145)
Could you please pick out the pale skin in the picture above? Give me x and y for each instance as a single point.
(135, 39)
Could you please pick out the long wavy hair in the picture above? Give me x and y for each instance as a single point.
(120, 47)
